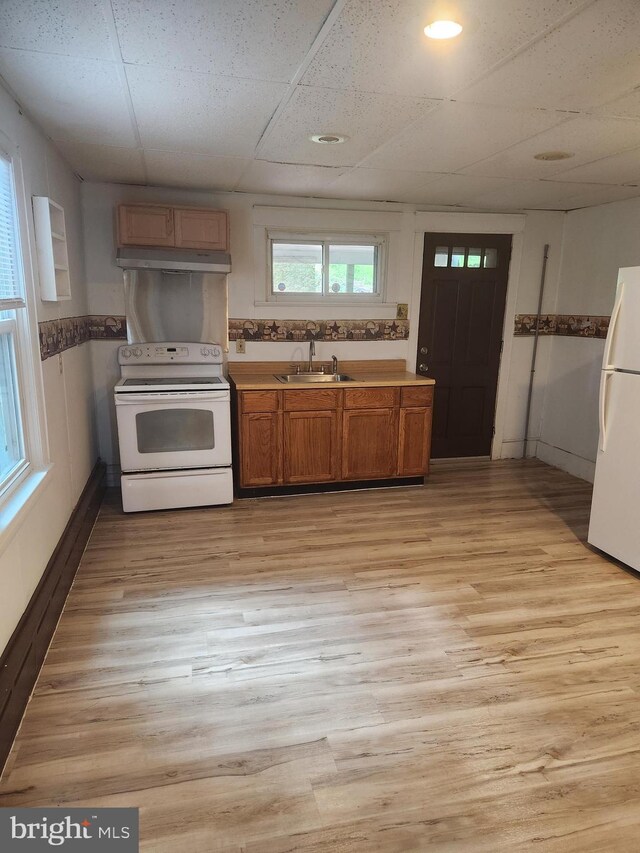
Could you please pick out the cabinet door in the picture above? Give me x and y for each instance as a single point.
(369, 444)
(414, 441)
(201, 229)
(311, 447)
(145, 226)
(261, 449)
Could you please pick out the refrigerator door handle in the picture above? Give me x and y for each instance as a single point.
(606, 363)
(604, 382)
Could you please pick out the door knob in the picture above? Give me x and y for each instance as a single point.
(424, 350)
(423, 368)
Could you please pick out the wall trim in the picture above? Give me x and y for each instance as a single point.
(566, 325)
(62, 334)
(318, 330)
(24, 655)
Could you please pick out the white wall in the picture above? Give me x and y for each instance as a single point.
(597, 242)
(106, 296)
(26, 545)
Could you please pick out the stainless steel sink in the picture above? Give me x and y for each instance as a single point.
(303, 378)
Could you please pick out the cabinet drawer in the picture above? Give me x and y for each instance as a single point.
(312, 400)
(416, 395)
(371, 398)
(259, 401)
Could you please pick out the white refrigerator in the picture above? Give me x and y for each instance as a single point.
(614, 526)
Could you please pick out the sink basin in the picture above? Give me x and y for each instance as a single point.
(304, 378)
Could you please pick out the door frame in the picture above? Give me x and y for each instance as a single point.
(474, 223)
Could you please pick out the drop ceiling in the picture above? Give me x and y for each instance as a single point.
(224, 95)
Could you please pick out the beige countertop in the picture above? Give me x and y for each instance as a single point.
(256, 376)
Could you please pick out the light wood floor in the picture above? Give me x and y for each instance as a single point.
(446, 668)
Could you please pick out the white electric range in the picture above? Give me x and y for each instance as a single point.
(174, 426)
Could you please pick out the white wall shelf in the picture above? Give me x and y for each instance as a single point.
(51, 249)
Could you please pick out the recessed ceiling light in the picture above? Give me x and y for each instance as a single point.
(327, 138)
(553, 155)
(443, 30)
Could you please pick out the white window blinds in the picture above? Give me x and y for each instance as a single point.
(11, 294)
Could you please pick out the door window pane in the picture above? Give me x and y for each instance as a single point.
(11, 443)
(352, 269)
(442, 256)
(474, 257)
(490, 258)
(457, 256)
(296, 268)
(171, 430)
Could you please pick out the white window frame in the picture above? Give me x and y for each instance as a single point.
(379, 241)
(23, 327)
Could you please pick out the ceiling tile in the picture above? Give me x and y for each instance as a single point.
(587, 61)
(628, 106)
(288, 179)
(506, 194)
(104, 162)
(456, 135)
(587, 137)
(620, 169)
(69, 27)
(460, 189)
(367, 120)
(200, 113)
(76, 99)
(171, 169)
(383, 185)
(262, 39)
(381, 46)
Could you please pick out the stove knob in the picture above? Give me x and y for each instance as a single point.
(137, 352)
(204, 351)
(126, 353)
(215, 352)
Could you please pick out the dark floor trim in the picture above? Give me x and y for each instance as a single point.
(21, 660)
(341, 486)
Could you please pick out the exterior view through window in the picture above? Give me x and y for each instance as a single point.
(12, 445)
(325, 268)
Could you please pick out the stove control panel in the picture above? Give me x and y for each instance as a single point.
(165, 353)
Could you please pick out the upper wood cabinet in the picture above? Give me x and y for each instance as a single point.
(201, 229)
(139, 225)
(173, 227)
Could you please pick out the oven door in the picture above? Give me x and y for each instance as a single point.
(172, 430)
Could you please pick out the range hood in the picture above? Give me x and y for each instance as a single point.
(171, 260)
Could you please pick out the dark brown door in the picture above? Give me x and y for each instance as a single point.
(464, 288)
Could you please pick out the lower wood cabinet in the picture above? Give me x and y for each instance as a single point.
(261, 449)
(369, 444)
(414, 442)
(300, 436)
(310, 448)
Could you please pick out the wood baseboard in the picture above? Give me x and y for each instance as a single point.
(24, 655)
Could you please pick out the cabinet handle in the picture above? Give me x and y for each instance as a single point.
(423, 368)
(424, 351)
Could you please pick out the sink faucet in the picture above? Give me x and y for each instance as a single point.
(334, 364)
(312, 352)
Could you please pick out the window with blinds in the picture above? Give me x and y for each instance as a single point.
(11, 292)
(13, 458)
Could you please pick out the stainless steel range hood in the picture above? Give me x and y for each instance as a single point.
(171, 260)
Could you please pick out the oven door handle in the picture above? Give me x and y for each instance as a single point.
(125, 398)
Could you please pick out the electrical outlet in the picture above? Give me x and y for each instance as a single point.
(402, 311)
(241, 345)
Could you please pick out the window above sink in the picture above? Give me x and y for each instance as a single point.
(305, 268)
